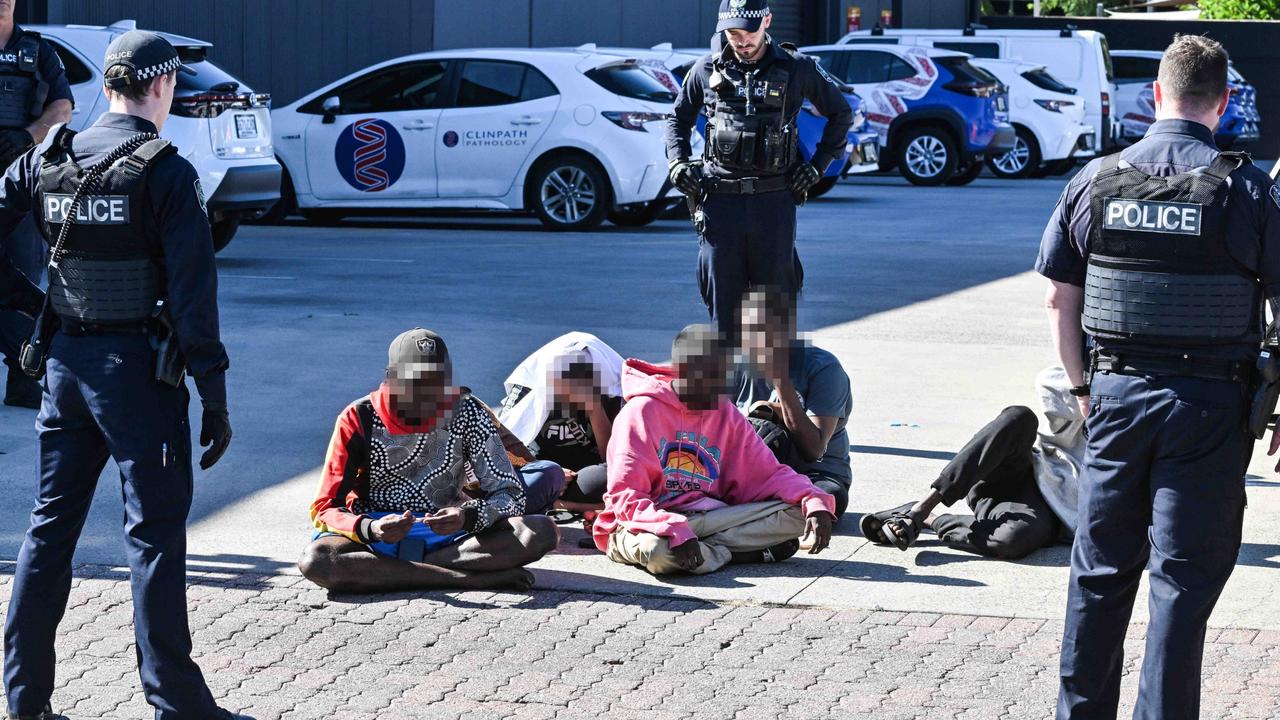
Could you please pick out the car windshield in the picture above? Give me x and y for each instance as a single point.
(1043, 80)
(208, 77)
(630, 80)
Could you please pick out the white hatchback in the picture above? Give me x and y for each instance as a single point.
(217, 123)
(1048, 117)
(571, 135)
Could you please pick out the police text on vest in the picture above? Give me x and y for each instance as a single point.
(92, 210)
(1152, 216)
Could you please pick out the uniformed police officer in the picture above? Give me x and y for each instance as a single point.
(1164, 254)
(747, 186)
(124, 217)
(34, 96)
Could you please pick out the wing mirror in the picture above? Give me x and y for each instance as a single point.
(332, 106)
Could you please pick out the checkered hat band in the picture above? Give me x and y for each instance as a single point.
(156, 70)
(745, 14)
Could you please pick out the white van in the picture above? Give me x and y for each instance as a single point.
(1079, 58)
(1047, 115)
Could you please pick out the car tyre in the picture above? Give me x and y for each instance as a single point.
(223, 231)
(1022, 161)
(824, 186)
(639, 214)
(927, 155)
(569, 192)
(285, 206)
(967, 174)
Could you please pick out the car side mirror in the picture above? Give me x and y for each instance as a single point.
(332, 106)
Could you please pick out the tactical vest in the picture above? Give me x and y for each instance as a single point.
(748, 128)
(108, 272)
(19, 80)
(1159, 271)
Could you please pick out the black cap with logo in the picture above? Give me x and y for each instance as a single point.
(420, 349)
(741, 15)
(146, 54)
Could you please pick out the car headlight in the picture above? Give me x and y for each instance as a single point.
(632, 120)
(1054, 105)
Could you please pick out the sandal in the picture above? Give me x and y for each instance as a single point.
(901, 530)
(871, 523)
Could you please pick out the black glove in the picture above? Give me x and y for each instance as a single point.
(687, 177)
(803, 177)
(215, 433)
(13, 143)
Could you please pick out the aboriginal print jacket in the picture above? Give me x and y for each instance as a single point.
(377, 464)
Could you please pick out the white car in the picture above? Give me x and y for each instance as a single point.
(572, 135)
(1047, 116)
(217, 123)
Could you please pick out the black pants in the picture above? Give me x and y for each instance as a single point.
(748, 241)
(590, 485)
(837, 488)
(995, 475)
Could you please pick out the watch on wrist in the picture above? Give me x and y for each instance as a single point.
(1080, 390)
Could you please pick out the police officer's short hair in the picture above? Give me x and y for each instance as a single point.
(136, 90)
(1193, 71)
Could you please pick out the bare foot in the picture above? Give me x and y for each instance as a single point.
(513, 579)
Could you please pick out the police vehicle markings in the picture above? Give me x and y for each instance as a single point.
(1152, 216)
(886, 101)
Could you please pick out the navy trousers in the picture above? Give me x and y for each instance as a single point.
(1163, 488)
(747, 241)
(101, 401)
(26, 249)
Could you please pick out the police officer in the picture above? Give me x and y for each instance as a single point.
(124, 217)
(1164, 253)
(34, 96)
(746, 188)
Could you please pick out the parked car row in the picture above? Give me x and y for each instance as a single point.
(574, 136)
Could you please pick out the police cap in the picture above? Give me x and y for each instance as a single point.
(146, 54)
(742, 15)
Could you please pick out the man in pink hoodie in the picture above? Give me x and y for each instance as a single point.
(691, 485)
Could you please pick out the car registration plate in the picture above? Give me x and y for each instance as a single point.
(246, 127)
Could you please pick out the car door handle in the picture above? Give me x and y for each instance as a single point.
(418, 125)
(526, 120)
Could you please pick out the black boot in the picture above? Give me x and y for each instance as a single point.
(46, 714)
(20, 390)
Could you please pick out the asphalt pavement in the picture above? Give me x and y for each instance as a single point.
(925, 294)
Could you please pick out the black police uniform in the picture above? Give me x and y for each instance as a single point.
(1174, 267)
(140, 236)
(31, 77)
(748, 225)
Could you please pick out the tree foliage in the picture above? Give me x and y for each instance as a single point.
(1239, 9)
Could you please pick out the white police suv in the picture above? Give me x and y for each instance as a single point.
(217, 123)
(571, 135)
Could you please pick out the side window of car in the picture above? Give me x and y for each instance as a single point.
(486, 82)
(868, 67)
(1135, 69)
(536, 85)
(976, 49)
(899, 69)
(77, 71)
(408, 86)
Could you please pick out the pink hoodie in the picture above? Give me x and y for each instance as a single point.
(665, 459)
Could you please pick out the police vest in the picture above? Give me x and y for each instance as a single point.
(19, 81)
(1159, 271)
(109, 271)
(749, 126)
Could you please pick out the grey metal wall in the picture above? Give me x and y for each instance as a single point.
(289, 47)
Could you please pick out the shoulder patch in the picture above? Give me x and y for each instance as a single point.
(823, 72)
(204, 207)
(1275, 194)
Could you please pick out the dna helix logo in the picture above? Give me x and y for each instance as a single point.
(370, 155)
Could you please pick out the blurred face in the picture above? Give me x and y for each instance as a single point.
(766, 335)
(703, 371)
(419, 391)
(748, 45)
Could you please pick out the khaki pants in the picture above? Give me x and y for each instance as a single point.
(737, 528)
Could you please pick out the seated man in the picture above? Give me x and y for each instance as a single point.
(393, 511)
(691, 485)
(1021, 485)
(561, 403)
(801, 388)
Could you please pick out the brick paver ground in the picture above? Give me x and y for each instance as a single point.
(278, 648)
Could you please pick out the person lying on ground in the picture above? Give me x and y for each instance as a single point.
(561, 402)
(796, 395)
(691, 486)
(1020, 483)
(393, 512)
